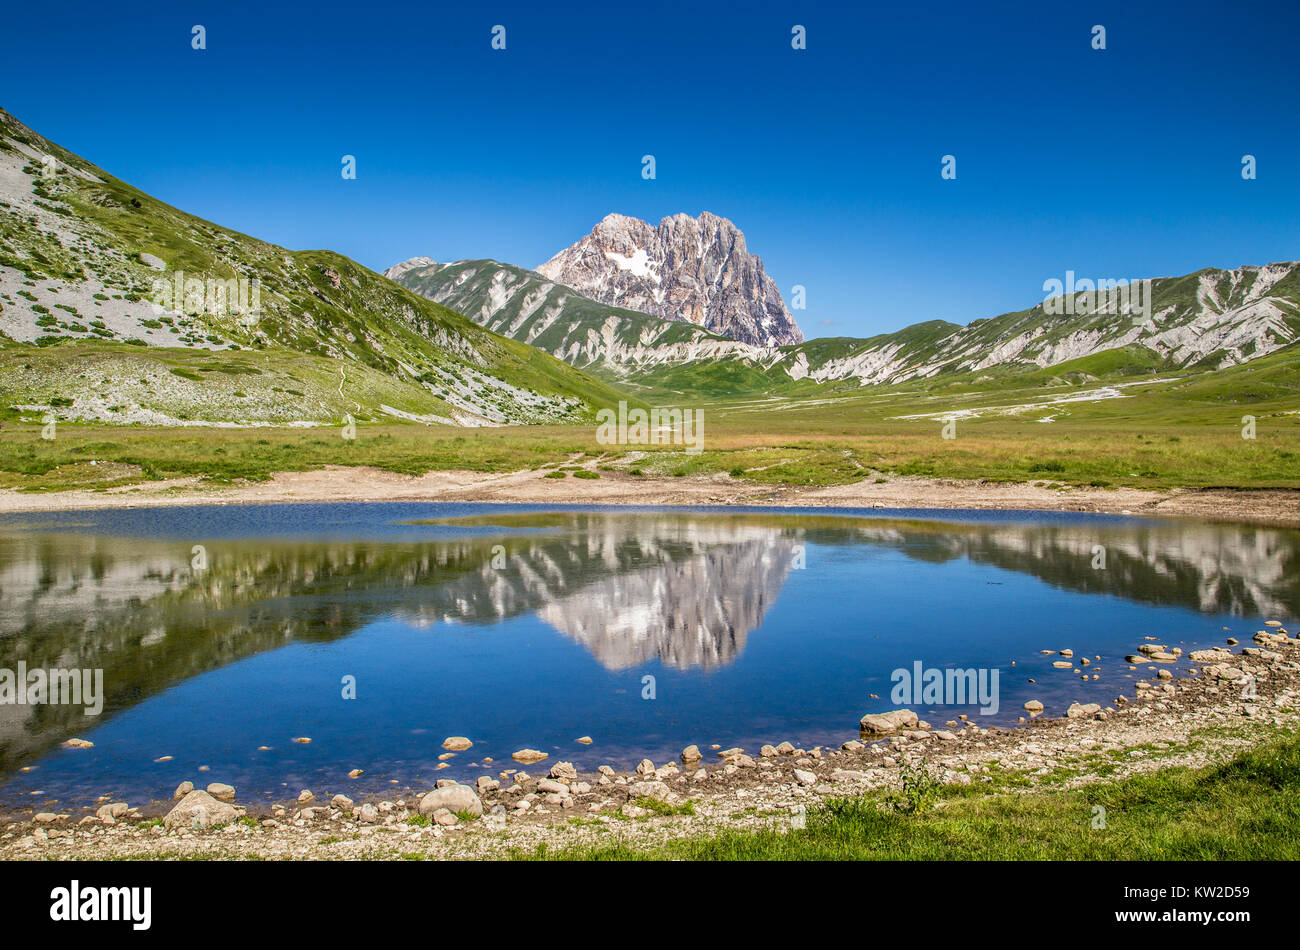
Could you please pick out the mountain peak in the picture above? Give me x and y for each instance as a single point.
(695, 270)
(414, 263)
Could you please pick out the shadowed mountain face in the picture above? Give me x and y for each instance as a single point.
(686, 591)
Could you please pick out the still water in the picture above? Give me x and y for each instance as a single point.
(645, 629)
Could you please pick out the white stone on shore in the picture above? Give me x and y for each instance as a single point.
(564, 770)
(201, 811)
(892, 721)
(656, 790)
(454, 798)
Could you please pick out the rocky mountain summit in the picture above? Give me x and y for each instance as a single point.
(696, 270)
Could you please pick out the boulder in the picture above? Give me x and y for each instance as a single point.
(892, 721)
(199, 810)
(456, 743)
(454, 798)
(221, 792)
(655, 790)
(564, 771)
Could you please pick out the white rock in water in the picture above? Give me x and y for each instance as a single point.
(221, 791)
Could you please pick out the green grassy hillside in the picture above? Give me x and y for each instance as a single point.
(84, 259)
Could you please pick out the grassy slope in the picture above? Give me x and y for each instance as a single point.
(1245, 809)
(316, 304)
(1185, 433)
(466, 286)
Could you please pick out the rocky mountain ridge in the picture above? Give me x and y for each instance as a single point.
(697, 270)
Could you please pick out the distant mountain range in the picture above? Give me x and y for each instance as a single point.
(673, 311)
(1211, 319)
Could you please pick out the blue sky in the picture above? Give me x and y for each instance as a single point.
(1117, 163)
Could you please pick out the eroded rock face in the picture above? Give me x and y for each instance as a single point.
(696, 270)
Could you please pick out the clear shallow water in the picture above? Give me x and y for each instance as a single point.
(524, 626)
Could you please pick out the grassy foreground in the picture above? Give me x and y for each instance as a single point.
(1245, 809)
(1161, 433)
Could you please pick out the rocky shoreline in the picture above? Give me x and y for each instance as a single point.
(1234, 698)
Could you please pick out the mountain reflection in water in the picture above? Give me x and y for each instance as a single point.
(686, 590)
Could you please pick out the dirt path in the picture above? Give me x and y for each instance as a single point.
(338, 483)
